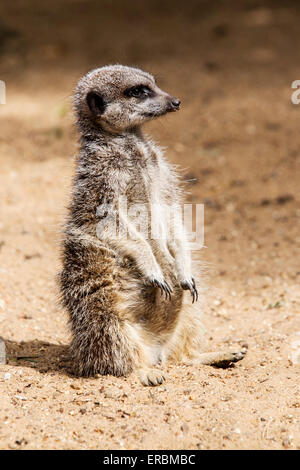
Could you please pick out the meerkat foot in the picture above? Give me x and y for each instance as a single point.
(151, 377)
(221, 358)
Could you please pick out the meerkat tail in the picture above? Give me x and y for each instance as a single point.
(113, 347)
(101, 347)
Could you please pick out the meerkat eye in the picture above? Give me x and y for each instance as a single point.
(139, 91)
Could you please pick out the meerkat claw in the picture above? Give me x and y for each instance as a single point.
(195, 291)
(191, 286)
(164, 287)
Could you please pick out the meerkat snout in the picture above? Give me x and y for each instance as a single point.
(173, 104)
(117, 98)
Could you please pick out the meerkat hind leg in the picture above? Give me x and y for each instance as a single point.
(220, 358)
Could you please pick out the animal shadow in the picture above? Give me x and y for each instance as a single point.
(39, 355)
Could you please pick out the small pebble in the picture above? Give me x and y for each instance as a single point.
(236, 431)
(286, 443)
(184, 428)
(20, 397)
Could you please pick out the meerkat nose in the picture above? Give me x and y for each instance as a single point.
(176, 103)
(173, 104)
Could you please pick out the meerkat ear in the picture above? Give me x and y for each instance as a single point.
(96, 103)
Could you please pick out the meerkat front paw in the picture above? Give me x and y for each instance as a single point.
(189, 284)
(159, 281)
(151, 377)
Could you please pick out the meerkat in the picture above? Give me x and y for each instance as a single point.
(111, 286)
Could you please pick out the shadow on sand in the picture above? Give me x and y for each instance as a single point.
(40, 355)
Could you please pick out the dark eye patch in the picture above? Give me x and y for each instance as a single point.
(139, 91)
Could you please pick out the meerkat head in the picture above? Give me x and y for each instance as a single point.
(119, 98)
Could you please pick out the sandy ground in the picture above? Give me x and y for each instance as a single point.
(237, 138)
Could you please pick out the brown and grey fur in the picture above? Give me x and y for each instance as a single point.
(112, 287)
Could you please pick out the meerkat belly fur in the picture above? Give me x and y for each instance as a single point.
(112, 286)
